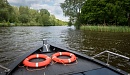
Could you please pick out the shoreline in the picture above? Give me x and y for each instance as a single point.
(106, 28)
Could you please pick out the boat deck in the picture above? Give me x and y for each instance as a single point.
(82, 67)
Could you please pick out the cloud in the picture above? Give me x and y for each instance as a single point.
(17, 2)
(53, 6)
(14, 1)
(59, 1)
(55, 10)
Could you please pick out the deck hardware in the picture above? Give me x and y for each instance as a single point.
(44, 41)
(108, 57)
(107, 64)
(54, 49)
(45, 45)
(118, 70)
(40, 50)
(92, 58)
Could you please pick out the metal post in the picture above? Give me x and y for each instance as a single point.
(108, 57)
(45, 46)
(44, 41)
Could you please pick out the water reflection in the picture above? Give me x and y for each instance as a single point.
(16, 41)
(92, 43)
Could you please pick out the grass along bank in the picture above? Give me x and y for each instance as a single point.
(106, 28)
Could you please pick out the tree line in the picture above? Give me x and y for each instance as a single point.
(106, 12)
(97, 12)
(23, 15)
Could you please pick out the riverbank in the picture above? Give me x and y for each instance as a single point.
(7, 24)
(106, 28)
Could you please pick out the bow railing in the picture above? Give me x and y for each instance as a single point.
(108, 57)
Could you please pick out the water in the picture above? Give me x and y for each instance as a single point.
(16, 41)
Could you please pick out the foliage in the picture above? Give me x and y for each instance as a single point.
(72, 9)
(106, 12)
(24, 15)
(69, 23)
(5, 10)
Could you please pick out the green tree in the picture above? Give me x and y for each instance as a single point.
(72, 9)
(24, 14)
(44, 17)
(52, 20)
(125, 4)
(5, 10)
(33, 16)
(23, 18)
(106, 12)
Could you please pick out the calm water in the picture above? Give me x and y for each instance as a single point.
(16, 41)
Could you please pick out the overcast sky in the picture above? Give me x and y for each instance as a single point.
(53, 6)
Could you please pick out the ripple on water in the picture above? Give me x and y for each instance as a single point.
(16, 41)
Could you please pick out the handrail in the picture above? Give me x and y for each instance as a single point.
(6, 69)
(109, 52)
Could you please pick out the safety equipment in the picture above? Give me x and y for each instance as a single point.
(27, 62)
(63, 61)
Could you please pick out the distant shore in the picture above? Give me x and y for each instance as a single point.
(7, 24)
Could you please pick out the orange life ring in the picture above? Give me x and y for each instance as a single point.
(27, 63)
(64, 61)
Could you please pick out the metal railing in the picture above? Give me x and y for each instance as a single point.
(6, 69)
(108, 57)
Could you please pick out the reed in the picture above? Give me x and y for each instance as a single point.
(106, 28)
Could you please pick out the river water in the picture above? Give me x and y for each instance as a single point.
(16, 41)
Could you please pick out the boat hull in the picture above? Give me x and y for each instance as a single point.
(85, 65)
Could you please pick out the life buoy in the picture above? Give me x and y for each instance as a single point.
(64, 61)
(27, 63)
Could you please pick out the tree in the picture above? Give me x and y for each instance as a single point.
(5, 10)
(24, 14)
(44, 17)
(106, 12)
(126, 6)
(24, 18)
(33, 16)
(52, 20)
(72, 9)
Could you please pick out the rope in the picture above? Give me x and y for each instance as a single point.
(20, 66)
(53, 62)
(27, 68)
(76, 62)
